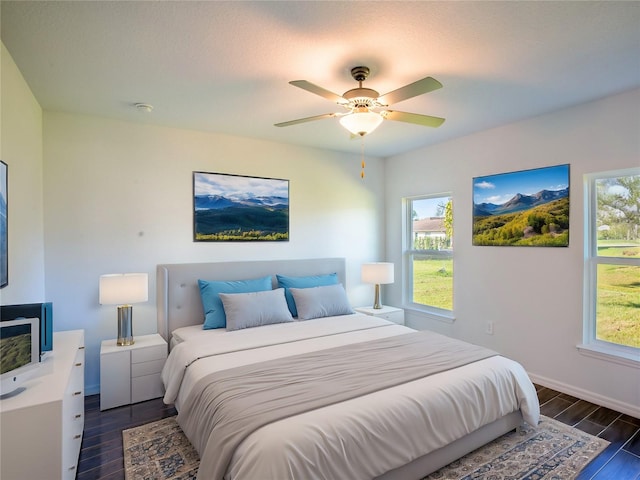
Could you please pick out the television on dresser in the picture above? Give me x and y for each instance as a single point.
(42, 311)
(19, 352)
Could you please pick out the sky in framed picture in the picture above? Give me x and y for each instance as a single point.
(525, 208)
(237, 208)
(4, 247)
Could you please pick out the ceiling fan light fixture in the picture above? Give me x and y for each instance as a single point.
(361, 122)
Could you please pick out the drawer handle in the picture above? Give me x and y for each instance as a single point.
(80, 348)
(77, 393)
(79, 415)
(73, 467)
(78, 364)
(75, 437)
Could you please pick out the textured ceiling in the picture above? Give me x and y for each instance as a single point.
(225, 66)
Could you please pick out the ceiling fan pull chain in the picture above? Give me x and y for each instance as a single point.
(362, 154)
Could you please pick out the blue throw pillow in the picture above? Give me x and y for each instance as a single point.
(303, 282)
(214, 316)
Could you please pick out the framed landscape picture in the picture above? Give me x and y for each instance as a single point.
(4, 240)
(525, 208)
(236, 208)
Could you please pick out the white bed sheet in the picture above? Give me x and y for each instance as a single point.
(397, 425)
(221, 344)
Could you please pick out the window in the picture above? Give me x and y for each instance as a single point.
(612, 267)
(428, 255)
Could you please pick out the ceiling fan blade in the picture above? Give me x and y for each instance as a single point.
(424, 120)
(310, 87)
(414, 89)
(306, 119)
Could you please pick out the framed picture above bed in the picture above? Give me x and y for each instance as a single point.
(238, 208)
(526, 208)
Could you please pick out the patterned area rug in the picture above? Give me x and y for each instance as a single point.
(159, 450)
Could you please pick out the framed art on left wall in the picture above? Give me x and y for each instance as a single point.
(4, 241)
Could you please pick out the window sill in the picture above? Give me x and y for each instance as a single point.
(610, 354)
(429, 315)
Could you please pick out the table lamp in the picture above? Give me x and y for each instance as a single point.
(377, 273)
(123, 289)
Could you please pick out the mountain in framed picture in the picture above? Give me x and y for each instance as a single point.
(526, 208)
(237, 208)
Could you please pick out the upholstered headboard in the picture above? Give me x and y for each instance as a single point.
(178, 295)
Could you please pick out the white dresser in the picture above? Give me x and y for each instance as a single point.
(41, 427)
(131, 374)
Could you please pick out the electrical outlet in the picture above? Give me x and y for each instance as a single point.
(489, 328)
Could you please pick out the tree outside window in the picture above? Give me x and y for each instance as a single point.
(429, 252)
(613, 261)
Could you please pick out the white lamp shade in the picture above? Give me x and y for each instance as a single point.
(124, 288)
(377, 273)
(361, 123)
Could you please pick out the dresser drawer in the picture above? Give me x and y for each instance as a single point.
(76, 382)
(70, 454)
(147, 368)
(73, 411)
(73, 403)
(147, 354)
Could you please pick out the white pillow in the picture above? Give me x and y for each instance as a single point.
(253, 309)
(325, 301)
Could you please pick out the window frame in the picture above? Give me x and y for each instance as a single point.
(408, 253)
(591, 345)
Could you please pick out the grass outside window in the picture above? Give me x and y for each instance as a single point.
(618, 298)
(433, 282)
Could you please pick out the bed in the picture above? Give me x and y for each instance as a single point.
(387, 420)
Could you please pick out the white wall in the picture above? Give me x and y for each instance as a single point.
(21, 150)
(118, 198)
(533, 295)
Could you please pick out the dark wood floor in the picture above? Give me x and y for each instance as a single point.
(101, 454)
(621, 459)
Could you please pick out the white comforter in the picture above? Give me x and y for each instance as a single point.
(363, 437)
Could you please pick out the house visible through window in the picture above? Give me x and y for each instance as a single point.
(429, 253)
(612, 277)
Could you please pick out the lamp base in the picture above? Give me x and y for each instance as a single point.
(125, 325)
(376, 300)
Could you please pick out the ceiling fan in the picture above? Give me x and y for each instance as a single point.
(366, 108)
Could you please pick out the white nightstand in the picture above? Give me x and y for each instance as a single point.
(392, 314)
(131, 374)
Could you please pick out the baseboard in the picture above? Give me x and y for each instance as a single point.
(633, 410)
(91, 390)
